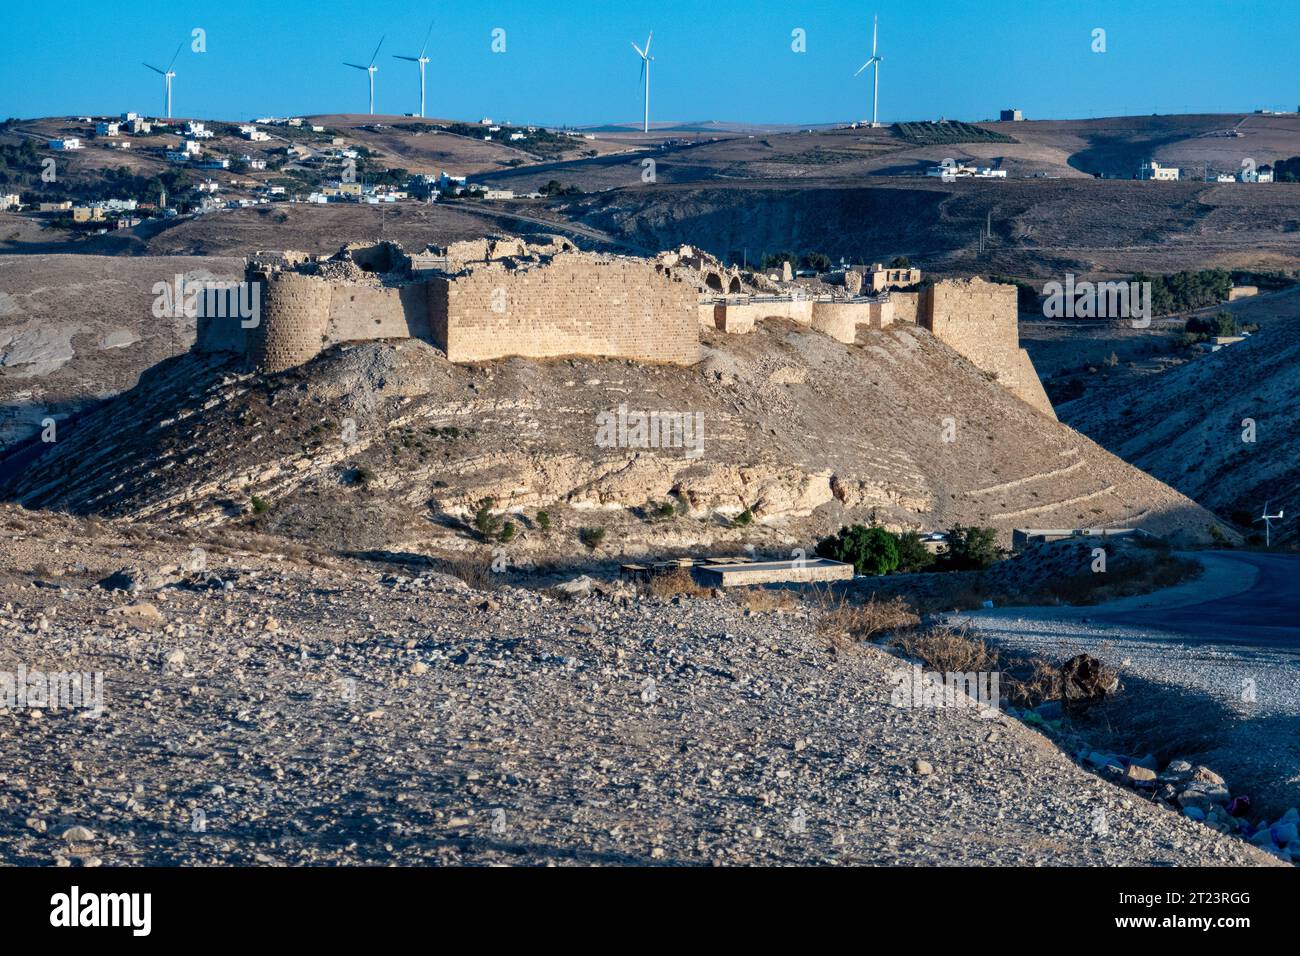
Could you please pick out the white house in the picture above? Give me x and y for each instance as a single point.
(1256, 174)
(66, 143)
(107, 129)
(197, 130)
(10, 201)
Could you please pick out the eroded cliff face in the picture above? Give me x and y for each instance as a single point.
(387, 445)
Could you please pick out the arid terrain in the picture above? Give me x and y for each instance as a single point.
(318, 645)
(291, 707)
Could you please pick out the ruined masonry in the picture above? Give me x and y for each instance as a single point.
(475, 300)
(497, 297)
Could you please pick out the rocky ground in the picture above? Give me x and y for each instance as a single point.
(289, 707)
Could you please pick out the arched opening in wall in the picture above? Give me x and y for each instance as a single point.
(713, 281)
(734, 284)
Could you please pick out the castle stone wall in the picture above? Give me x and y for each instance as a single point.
(839, 320)
(904, 306)
(979, 320)
(575, 305)
(359, 312)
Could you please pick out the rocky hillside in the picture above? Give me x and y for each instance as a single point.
(388, 446)
(1186, 425)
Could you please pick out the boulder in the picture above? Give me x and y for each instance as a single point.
(1086, 680)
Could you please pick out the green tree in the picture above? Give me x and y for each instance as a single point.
(912, 553)
(486, 522)
(871, 550)
(970, 549)
(817, 261)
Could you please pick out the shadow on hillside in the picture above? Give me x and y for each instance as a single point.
(133, 416)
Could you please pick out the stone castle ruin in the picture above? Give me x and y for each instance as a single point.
(498, 297)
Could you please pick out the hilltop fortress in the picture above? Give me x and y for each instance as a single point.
(498, 297)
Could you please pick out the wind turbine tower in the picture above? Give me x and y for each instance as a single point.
(875, 82)
(167, 75)
(370, 70)
(645, 76)
(421, 60)
(1268, 520)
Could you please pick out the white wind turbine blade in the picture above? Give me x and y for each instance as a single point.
(427, 33)
(155, 69)
(647, 42)
(356, 66)
(413, 59)
(376, 53)
(638, 51)
(862, 67)
(175, 55)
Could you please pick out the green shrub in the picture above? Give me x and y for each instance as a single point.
(912, 553)
(360, 476)
(664, 510)
(871, 550)
(260, 505)
(507, 532)
(743, 519)
(544, 520)
(487, 524)
(591, 537)
(970, 549)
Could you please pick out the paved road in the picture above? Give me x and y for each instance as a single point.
(1265, 612)
(1243, 598)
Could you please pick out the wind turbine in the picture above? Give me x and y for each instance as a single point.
(1268, 520)
(874, 61)
(421, 60)
(645, 75)
(167, 75)
(370, 70)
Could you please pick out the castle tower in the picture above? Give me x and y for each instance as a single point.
(295, 313)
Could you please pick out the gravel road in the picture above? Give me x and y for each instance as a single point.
(1226, 644)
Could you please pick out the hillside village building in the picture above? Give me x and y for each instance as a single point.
(1154, 171)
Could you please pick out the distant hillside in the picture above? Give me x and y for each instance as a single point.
(1186, 425)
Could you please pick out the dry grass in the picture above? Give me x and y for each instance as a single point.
(847, 625)
(760, 600)
(1133, 577)
(477, 574)
(680, 581)
(1025, 680)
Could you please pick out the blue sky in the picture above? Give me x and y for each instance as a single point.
(571, 62)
